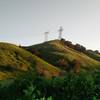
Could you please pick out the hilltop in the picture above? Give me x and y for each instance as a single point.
(59, 54)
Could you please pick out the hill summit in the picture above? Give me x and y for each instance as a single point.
(66, 56)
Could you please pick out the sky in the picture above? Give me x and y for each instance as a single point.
(25, 21)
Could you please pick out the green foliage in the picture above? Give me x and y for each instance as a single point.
(29, 85)
(81, 86)
(33, 94)
(94, 98)
(93, 54)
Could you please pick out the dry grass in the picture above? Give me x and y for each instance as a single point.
(57, 48)
(14, 59)
(73, 54)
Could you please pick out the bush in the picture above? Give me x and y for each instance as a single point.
(80, 86)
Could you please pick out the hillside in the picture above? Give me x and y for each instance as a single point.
(48, 71)
(15, 61)
(93, 54)
(60, 55)
(49, 59)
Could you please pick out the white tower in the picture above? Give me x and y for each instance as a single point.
(46, 36)
(60, 32)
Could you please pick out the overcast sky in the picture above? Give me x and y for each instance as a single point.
(24, 21)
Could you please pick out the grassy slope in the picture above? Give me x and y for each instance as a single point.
(93, 55)
(55, 49)
(72, 54)
(15, 60)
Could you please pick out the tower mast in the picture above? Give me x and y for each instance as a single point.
(60, 32)
(46, 36)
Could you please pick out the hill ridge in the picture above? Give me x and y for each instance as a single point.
(50, 50)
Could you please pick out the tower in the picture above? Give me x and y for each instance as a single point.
(60, 32)
(46, 36)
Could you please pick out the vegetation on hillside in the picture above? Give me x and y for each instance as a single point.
(57, 53)
(15, 60)
(82, 86)
(93, 54)
(49, 71)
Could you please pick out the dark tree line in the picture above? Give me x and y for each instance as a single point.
(77, 47)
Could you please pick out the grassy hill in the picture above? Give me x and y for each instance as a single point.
(15, 60)
(48, 59)
(23, 71)
(58, 54)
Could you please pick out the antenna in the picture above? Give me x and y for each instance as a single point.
(60, 32)
(46, 36)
